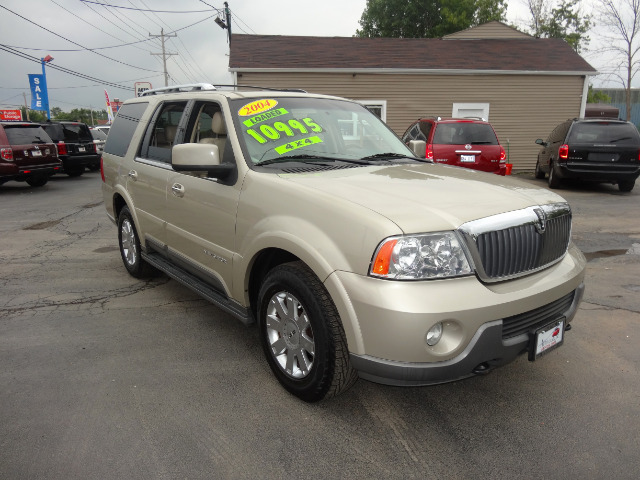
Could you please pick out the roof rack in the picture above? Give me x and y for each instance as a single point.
(194, 87)
(271, 89)
(189, 87)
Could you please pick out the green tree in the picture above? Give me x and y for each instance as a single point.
(34, 115)
(426, 18)
(564, 20)
(596, 96)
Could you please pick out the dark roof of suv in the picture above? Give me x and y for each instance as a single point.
(511, 54)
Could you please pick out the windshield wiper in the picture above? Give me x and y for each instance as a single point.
(302, 157)
(389, 155)
(618, 139)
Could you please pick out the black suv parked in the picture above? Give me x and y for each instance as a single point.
(27, 154)
(75, 146)
(592, 150)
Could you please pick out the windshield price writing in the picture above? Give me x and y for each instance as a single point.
(290, 128)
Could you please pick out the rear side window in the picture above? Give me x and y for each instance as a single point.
(604, 133)
(463, 133)
(123, 128)
(24, 135)
(54, 130)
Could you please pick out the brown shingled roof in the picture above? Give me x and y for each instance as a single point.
(250, 52)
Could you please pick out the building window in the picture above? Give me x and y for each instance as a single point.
(471, 110)
(377, 107)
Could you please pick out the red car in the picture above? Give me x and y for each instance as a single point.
(463, 142)
(27, 154)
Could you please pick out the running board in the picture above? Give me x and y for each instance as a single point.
(198, 286)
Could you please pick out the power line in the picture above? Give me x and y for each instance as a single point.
(145, 10)
(63, 69)
(94, 26)
(179, 40)
(75, 43)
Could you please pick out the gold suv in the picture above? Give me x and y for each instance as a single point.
(355, 255)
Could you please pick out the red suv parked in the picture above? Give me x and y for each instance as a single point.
(27, 154)
(463, 142)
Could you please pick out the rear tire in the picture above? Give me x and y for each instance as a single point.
(302, 335)
(626, 185)
(74, 172)
(37, 180)
(554, 181)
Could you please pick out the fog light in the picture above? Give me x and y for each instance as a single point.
(434, 334)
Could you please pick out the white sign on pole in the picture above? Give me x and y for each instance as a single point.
(141, 87)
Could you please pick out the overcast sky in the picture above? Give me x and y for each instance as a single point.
(64, 29)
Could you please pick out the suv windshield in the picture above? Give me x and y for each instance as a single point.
(26, 134)
(276, 128)
(460, 133)
(604, 132)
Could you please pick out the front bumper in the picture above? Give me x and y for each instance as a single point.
(487, 350)
(385, 322)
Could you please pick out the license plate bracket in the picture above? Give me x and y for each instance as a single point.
(546, 338)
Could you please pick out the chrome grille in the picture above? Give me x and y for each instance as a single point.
(520, 242)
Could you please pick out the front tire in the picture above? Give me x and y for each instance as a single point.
(539, 173)
(302, 335)
(130, 247)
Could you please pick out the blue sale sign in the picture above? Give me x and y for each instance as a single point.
(39, 97)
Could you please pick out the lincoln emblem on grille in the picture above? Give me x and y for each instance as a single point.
(542, 217)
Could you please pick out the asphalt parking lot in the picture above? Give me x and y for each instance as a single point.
(106, 376)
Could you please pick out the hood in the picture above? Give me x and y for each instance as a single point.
(427, 197)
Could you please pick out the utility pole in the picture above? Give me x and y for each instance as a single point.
(225, 24)
(164, 54)
(228, 15)
(26, 107)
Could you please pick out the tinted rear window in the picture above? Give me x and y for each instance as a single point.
(463, 133)
(26, 134)
(604, 133)
(76, 132)
(123, 128)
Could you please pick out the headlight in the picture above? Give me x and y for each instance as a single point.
(418, 257)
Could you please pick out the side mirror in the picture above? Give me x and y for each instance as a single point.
(200, 157)
(419, 148)
(541, 142)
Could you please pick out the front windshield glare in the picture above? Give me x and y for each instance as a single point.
(274, 128)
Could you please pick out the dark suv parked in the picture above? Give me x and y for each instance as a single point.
(75, 146)
(463, 142)
(27, 154)
(591, 150)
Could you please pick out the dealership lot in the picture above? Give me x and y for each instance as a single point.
(106, 376)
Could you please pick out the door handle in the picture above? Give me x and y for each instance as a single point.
(177, 190)
(133, 175)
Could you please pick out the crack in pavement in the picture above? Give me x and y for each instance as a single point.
(90, 300)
